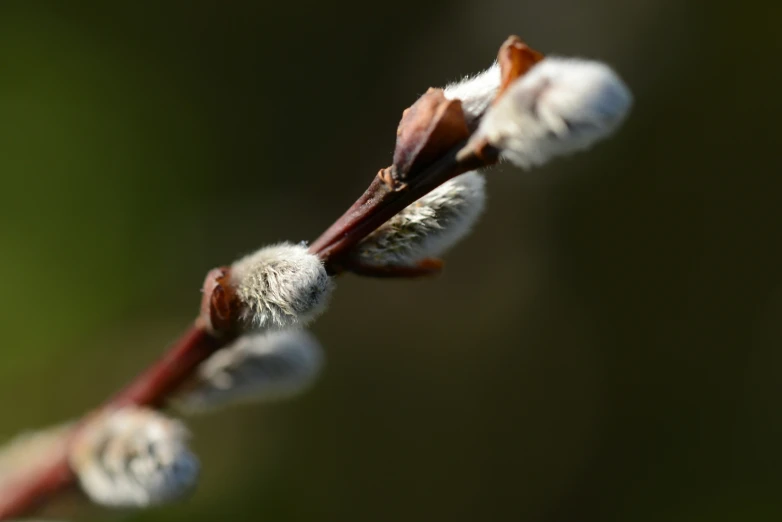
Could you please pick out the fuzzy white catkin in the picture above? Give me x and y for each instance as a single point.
(428, 227)
(560, 106)
(475, 92)
(256, 367)
(280, 286)
(134, 457)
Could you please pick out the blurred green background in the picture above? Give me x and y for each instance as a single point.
(606, 346)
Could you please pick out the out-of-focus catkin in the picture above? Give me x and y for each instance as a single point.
(134, 458)
(257, 367)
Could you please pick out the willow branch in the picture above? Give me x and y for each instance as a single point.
(433, 145)
(153, 386)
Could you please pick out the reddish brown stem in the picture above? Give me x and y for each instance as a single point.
(379, 203)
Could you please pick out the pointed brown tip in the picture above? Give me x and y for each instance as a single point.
(217, 302)
(515, 59)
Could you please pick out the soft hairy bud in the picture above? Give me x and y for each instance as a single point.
(133, 457)
(428, 227)
(476, 93)
(257, 367)
(280, 286)
(560, 106)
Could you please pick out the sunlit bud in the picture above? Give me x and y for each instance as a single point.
(475, 92)
(280, 286)
(560, 106)
(428, 227)
(134, 457)
(257, 367)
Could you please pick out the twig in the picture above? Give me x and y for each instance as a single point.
(560, 107)
(155, 385)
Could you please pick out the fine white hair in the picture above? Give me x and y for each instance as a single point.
(475, 92)
(280, 286)
(428, 227)
(256, 367)
(134, 457)
(562, 105)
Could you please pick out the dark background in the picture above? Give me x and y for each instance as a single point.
(605, 346)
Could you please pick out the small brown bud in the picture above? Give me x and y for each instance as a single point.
(515, 59)
(429, 128)
(218, 301)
